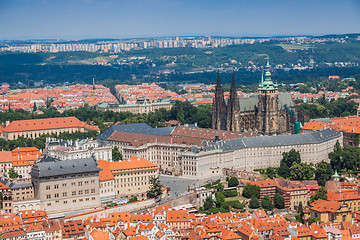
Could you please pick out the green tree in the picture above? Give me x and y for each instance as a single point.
(254, 203)
(300, 216)
(323, 172)
(314, 220)
(301, 171)
(321, 193)
(220, 198)
(284, 170)
(209, 203)
(155, 188)
(267, 203)
(336, 157)
(291, 157)
(13, 174)
(251, 191)
(270, 172)
(233, 182)
(133, 199)
(279, 201)
(287, 161)
(116, 154)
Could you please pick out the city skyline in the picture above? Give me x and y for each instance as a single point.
(34, 19)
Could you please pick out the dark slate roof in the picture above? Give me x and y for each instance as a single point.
(48, 167)
(21, 185)
(136, 128)
(270, 141)
(249, 104)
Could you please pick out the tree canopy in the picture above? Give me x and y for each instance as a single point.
(251, 191)
(155, 189)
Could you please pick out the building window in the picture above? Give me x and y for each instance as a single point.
(64, 194)
(48, 196)
(87, 191)
(73, 193)
(56, 195)
(56, 186)
(79, 183)
(93, 190)
(80, 192)
(48, 187)
(49, 204)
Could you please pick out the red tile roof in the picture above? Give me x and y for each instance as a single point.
(46, 123)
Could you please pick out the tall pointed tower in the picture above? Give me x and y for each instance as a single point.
(218, 118)
(233, 108)
(268, 105)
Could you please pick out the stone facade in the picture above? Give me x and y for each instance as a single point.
(64, 186)
(269, 114)
(85, 148)
(142, 106)
(247, 154)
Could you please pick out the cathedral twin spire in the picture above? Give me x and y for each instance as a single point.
(224, 115)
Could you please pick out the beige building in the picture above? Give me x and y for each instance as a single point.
(5, 162)
(293, 192)
(248, 154)
(37, 127)
(164, 151)
(68, 185)
(141, 106)
(131, 177)
(107, 186)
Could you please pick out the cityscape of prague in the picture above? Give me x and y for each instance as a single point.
(179, 120)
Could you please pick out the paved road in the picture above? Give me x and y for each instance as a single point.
(179, 185)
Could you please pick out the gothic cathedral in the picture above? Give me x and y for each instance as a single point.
(267, 114)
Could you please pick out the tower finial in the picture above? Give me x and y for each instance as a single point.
(218, 79)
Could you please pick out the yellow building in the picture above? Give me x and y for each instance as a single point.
(335, 212)
(131, 177)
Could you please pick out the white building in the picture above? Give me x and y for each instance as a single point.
(257, 152)
(85, 148)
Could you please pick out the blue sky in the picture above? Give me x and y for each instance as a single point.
(75, 19)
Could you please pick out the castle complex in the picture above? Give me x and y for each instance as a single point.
(268, 113)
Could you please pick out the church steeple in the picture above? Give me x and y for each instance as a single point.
(268, 83)
(219, 107)
(233, 107)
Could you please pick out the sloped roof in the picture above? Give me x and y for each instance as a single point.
(132, 163)
(136, 128)
(49, 166)
(268, 141)
(46, 123)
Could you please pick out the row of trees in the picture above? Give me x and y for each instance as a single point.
(346, 158)
(292, 168)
